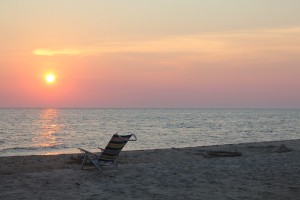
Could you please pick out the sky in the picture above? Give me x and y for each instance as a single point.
(150, 54)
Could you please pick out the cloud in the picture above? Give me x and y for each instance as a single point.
(206, 45)
(50, 52)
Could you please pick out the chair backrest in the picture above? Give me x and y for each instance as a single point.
(114, 147)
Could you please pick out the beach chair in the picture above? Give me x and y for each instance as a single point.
(109, 153)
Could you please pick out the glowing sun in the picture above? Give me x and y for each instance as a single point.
(50, 78)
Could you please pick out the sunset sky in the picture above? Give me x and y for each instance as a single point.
(153, 54)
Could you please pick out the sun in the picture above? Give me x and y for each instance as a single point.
(50, 78)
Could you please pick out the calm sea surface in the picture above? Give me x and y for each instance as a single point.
(52, 131)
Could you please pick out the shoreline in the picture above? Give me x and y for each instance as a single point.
(72, 151)
(261, 172)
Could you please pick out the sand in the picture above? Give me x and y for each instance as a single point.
(265, 170)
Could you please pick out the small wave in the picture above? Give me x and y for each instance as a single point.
(183, 125)
(31, 148)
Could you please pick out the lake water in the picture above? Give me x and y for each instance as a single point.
(52, 131)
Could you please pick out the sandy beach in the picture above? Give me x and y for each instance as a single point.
(263, 171)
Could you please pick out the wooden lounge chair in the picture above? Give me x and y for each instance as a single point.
(109, 153)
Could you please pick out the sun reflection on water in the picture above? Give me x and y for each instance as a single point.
(49, 128)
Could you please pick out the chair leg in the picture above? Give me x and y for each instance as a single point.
(83, 161)
(116, 164)
(98, 165)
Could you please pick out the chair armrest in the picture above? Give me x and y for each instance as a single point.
(85, 151)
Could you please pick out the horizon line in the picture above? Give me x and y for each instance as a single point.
(278, 108)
